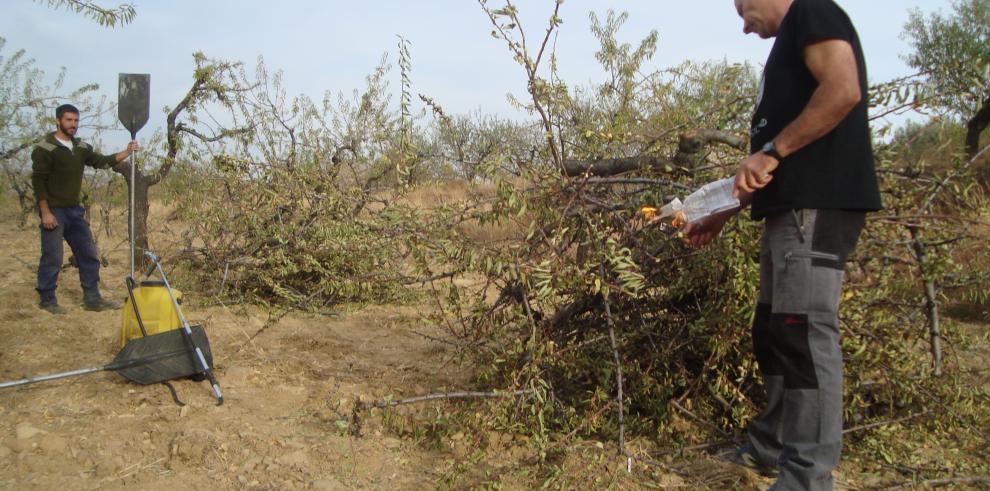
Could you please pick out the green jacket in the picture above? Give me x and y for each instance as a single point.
(57, 171)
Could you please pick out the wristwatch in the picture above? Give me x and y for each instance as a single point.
(771, 149)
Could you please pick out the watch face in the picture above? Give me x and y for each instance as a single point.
(771, 150)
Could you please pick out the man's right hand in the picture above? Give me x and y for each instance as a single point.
(48, 220)
(701, 232)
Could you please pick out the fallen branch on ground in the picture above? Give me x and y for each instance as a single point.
(884, 423)
(442, 397)
(931, 483)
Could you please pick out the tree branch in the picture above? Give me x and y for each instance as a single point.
(8, 153)
(931, 483)
(691, 143)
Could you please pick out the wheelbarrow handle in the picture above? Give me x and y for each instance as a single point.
(51, 376)
(186, 331)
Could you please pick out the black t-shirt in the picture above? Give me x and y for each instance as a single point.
(836, 171)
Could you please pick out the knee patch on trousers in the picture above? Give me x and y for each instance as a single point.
(761, 341)
(788, 339)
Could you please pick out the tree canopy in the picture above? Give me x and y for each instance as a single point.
(953, 52)
(105, 16)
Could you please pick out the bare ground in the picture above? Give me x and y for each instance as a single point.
(289, 394)
(290, 390)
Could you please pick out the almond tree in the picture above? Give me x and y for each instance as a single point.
(953, 52)
(27, 113)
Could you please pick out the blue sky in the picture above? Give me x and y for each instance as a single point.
(332, 45)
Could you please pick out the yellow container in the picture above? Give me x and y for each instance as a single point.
(156, 309)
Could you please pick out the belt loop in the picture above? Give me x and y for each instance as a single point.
(799, 220)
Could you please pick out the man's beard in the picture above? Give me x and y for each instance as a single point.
(66, 131)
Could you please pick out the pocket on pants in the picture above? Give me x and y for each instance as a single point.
(794, 288)
(823, 280)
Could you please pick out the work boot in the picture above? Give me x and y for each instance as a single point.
(99, 304)
(744, 457)
(52, 307)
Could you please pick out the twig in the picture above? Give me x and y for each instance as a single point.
(884, 423)
(444, 396)
(931, 483)
(25, 263)
(636, 180)
(898, 219)
(697, 418)
(427, 279)
(659, 465)
(271, 322)
(443, 341)
(223, 282)
(618, 361)
(524, 299)
(695, 448)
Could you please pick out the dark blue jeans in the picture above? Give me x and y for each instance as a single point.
(73, 228)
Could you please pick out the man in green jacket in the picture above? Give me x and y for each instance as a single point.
(57, 171)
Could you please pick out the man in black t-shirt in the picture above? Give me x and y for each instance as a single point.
(810, 177)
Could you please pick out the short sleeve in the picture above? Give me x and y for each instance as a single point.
(820, 20)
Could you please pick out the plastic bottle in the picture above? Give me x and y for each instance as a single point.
(712, 198)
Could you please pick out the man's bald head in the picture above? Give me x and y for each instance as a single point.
(762, 17)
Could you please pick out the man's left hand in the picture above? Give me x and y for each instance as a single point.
(127, 152)
(754, 173)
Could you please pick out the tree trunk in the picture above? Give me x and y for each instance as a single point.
(141, 207)
(142, 185)
(975, 127)
(27, 205)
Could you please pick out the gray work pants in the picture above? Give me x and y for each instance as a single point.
(796, 340)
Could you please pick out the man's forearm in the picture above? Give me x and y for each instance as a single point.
(43, 207)
(123, 154)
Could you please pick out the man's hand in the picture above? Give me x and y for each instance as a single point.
(123, 154)
(754, 173)
(701, 232)
(48, 220)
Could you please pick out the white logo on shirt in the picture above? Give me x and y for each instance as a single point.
(755, 130)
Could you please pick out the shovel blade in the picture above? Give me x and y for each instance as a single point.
(162, 357)
(133, 100)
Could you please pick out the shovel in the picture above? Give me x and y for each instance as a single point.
(133, 103)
